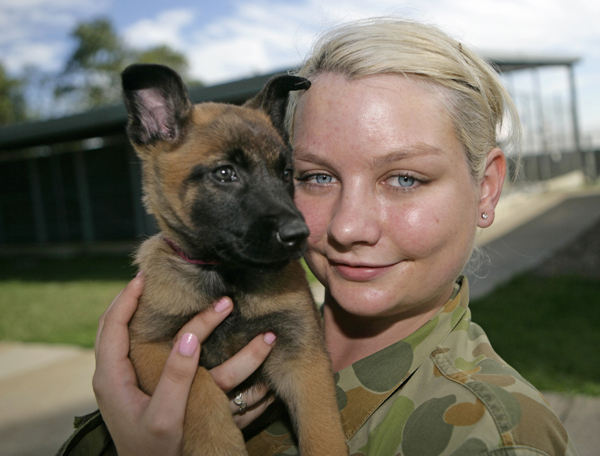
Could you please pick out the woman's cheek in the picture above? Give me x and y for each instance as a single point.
(315, 216)
(419, 230)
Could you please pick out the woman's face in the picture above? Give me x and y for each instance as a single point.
(386, 191)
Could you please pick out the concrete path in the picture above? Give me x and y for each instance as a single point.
(529, 244)
(43, 387)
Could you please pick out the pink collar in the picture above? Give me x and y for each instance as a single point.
(183, 255)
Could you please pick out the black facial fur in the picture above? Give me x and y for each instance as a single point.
(243, 213)
(273, 99)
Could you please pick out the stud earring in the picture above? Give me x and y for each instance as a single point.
(484, 216)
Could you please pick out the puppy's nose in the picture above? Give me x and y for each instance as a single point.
(292, 234)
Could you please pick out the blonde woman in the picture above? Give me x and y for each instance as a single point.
(397, 163)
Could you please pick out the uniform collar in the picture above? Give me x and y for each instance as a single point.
(363, 386)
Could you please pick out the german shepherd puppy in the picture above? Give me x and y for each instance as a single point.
(218, 178)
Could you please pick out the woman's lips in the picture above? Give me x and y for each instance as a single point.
(360, 272)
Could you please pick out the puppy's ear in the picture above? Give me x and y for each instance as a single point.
(157, 103)
(273, 99)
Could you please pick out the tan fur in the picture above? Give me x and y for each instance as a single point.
(174, 289)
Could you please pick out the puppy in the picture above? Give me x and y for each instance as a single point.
(218, 178)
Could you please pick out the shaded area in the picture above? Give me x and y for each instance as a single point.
(581, 257)
(527, 246)
(66, 269)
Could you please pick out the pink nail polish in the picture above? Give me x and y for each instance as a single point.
(222, 305)
(269, 337)
(188, 344)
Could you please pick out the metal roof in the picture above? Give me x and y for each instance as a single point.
(512, 62)
(111, 120)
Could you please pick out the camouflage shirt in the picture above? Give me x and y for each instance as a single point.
(440, 391)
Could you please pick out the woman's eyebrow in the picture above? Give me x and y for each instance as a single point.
(306, 156)
(417, 150)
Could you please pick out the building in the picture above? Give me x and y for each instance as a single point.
(75, 181)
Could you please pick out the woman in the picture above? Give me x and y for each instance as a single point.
(397, 163)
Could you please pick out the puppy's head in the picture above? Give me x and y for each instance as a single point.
(217, 177)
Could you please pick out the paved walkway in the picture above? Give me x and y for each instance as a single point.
(43, 387)
(534, 240)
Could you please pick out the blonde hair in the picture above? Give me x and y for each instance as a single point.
(476, 98)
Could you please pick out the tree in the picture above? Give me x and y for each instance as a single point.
(91, 77)
(166, 56)
(12, 101)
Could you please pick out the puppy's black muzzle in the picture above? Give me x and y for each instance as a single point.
(292, 234)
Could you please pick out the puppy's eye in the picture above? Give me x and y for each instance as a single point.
(225, 174)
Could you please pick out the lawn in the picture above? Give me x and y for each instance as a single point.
(58, 300)
(547, 328)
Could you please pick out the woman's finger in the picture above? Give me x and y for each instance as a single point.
(113, 322)
(244, 401)
(252, 412)
(204, 323)
(171, 394)
(113, 367)
(243, 364)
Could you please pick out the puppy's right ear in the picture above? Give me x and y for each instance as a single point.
(273, 99)
(157, 103)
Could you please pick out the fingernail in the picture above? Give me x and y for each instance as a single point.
(139, 273)
(222, 305)
(269, 337)
(188, 344)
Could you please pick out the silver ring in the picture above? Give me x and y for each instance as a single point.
(240, 402)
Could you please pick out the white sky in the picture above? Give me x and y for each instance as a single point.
(229, 39)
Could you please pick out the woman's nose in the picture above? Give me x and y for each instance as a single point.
(355, 219)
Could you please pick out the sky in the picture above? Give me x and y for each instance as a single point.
(229, 39)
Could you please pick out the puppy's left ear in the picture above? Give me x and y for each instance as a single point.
(157, 103)
(273, 99)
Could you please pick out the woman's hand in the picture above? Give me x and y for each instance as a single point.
(239, 367)
(145, 425)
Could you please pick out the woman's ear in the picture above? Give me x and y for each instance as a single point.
(490, 188)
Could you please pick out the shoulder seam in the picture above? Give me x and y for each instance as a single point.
(480, 391)
(510, 451)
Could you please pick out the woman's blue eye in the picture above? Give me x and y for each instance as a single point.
(406, 181)
(323, 179)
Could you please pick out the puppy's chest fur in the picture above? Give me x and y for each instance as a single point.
(175, 291)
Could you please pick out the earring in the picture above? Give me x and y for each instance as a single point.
(484, 216)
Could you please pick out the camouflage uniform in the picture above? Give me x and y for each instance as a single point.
(440, 391)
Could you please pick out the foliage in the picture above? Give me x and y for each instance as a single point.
(12, 102)
(92, 71)
(91, 77)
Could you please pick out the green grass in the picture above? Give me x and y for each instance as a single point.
(548, 329)
(58, 300)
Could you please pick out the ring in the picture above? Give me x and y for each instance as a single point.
(240, 402)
